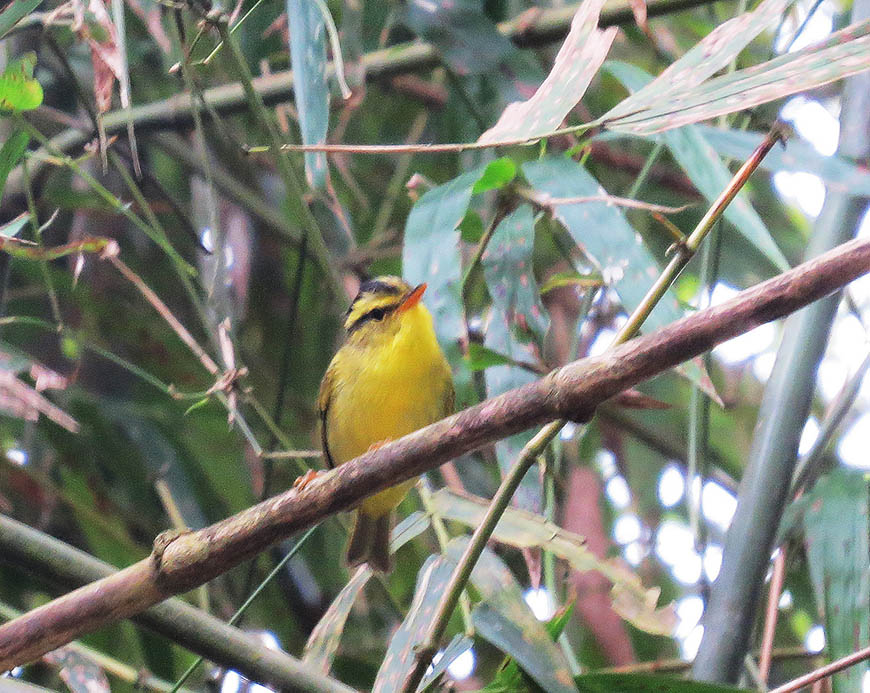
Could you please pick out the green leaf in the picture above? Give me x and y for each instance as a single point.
(430, 254)
(605, 235)
(505, 620)
(14, 227)
(310, 88)
(18, 90)
(480, 358)
(577, 62)
(323, 642)
(457, 646)
(844, 53)
(14, 13)
(517, 324)
(838, 173)
(509, 678)
(10, 154)
(647, 683)
(401, 653)
(705, 169)
(471, 228)
(523, 529)
(603, 232)
(837, 526)
(496, 175)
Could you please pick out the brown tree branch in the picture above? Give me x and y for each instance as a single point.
(181, 562)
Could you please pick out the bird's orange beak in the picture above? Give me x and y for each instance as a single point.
(412, 299)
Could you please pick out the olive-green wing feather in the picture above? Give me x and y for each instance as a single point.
(323, 398)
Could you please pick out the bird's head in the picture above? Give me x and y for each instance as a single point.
(381, 307)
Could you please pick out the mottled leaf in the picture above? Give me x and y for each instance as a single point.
(715, 51)
(516, 326)
(605, 235)
(95, 26)
(401, 652)
(310, 88)
(79, 673)
(522, 529)
(647, 683)
(505, 620)
(707, 171)
(577, 62)
(509, 678)
(18, 90)
(844, 53)
(14, 13)
(839, 174)
(10, 154)
(837, 526)
(323, 642)
(430, 254)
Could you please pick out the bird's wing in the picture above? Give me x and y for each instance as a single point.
(323, 397)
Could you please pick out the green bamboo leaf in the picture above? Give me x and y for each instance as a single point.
(605, 235)
(401, 652)
(10, 154)
(523, 529)
(705, 169)
(509, 678)
(18, 90)
(844, 53)
(517, 324)
(323, 642)
(714, 52)
(577, 62)
(647, 683)
(839, 174)
(480, 358)
(430, 254)
(837, 526)
(14, 227)
(505, 620)
(310, 88)
(496, 175)
(14, 13)
(454, 649)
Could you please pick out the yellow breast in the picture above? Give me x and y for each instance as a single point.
(385, 390)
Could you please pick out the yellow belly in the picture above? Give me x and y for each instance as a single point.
(383, 396)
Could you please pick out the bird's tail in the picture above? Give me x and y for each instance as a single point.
(370, 542)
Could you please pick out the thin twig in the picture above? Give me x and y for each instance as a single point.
(825, 671)
(773, 594)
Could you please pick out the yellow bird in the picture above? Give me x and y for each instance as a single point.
(389, 379)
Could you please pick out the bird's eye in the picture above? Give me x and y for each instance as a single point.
(377, 313)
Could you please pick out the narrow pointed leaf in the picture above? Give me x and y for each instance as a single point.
(14, 13)
(323, 642)
(577, 62)
(457, 647)
(10, 154)
(516, 327)
(705, 169)
(522, 529)
(706, 58)
(839, 174)
(844, 53)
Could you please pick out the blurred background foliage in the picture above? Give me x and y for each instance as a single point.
(114, 429)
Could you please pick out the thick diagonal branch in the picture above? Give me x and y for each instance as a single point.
(572, 392)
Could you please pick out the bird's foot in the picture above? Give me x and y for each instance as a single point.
(302, 482)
